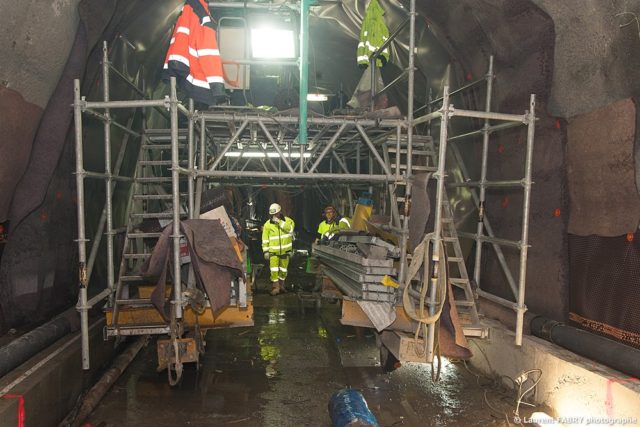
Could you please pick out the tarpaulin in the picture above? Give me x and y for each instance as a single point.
(213, 257)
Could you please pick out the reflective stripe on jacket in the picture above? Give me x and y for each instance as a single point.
(373, 34)
(327, 230)
(278, 238)
(193, 57)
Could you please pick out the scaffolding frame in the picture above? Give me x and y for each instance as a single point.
(101, 110)
(336, 140)
(484, 225)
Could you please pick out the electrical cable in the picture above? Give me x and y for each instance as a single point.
(521, 395)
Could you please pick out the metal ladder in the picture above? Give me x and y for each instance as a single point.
(150, 198)
(459, 277)
(424, 159)
(422, 149)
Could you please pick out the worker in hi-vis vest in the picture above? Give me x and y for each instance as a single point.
(277, 245)
(333, 223)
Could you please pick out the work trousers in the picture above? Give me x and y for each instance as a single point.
(278, 265)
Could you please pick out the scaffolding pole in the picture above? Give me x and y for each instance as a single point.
(82, 241)
(295, 176)
(526, 207)
(201, 166)
(483, 174)
(438, 259)
(407, 195)
(190, 161)
(175, 188)
(107, 167)
(280, 120)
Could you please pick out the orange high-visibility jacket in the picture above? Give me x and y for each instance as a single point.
(193, 57)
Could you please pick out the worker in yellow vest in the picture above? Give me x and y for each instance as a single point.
(333, 223)
(277, 245)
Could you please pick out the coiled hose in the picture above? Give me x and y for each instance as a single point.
(422, 256)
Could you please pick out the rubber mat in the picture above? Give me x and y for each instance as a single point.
(420, 209)
(604, 294)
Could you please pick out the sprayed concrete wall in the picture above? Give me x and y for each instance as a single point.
(571, 385)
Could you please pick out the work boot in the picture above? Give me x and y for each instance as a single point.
(275, 288)
(281, 286)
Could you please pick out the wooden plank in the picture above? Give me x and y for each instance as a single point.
(353, 315)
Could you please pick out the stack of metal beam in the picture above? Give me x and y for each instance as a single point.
(358, 264)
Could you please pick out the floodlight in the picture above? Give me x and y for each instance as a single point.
(272, 43)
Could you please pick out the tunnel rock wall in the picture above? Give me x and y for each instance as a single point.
(32, 63)
(597, 57)
(36, 266)
(38, 269)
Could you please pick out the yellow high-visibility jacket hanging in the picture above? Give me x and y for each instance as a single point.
(373, 34)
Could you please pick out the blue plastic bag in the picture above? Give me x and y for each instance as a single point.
(348, 406)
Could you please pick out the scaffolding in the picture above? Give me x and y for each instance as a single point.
(237, 145)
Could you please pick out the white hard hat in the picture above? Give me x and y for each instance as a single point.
(274, 209)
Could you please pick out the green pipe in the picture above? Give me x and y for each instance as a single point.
(304, 69)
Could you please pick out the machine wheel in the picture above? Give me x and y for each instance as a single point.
(388, 361)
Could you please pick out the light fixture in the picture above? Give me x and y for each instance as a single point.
(317, 97)
(259, 154)
(273, 43)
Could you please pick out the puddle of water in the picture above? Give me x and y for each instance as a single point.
(283, 371)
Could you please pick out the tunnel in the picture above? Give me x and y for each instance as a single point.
(486, 148)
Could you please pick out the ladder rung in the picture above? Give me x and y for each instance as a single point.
(134, 301)
(137, 256)
(131, 278)
(465, 303)
(154, 179)
(416, 140)
(143, 235)
(156, 196)
(166, 137)
(416, 167)
(161, 146)
(414, 151)
(475, 331)
(458, 280)
(159, 162)
(455, 259)
(159, 215)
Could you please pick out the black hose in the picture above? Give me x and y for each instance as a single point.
(608, 352)
(91, 400)
(20, 350)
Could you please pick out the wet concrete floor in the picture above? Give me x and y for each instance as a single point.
(283, 371)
